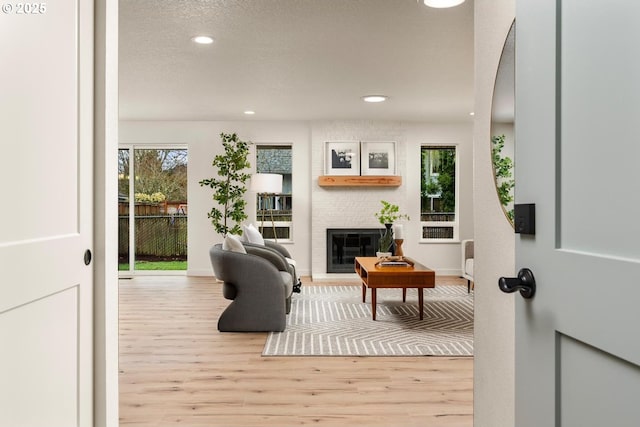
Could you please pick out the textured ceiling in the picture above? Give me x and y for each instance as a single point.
(295, 60)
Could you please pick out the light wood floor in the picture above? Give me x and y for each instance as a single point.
(177, 369)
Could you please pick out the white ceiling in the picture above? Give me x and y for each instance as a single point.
(295, 60)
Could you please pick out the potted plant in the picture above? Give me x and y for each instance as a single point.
(388, 214)
(229, 189)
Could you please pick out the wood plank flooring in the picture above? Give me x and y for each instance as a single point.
(176, 369)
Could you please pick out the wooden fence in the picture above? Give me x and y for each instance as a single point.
(157, 236)
(161, 208)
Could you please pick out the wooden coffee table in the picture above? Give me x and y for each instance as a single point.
(374, 277)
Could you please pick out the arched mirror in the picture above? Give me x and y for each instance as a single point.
(502, 125)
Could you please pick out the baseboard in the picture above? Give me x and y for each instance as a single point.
(199, 272)
(321, 276)
(304, 273)
(449, 272)
(351, 276)
(334, 276)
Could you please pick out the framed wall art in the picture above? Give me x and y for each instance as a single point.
(378, 158)
(342, 158)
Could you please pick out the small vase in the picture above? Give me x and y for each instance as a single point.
(386, 239)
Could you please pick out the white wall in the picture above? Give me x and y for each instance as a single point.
(316, 208)
(105, 316)
(494, 237)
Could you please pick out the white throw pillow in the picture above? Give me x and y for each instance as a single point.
(252, 234)
(232, 243)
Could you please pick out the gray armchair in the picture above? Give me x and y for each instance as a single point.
(297, 283)
(260, 291)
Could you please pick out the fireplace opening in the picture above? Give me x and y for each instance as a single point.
(345, 244)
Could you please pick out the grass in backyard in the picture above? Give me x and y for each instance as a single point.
(156, 265)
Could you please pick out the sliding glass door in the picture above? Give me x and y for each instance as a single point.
(152, 209)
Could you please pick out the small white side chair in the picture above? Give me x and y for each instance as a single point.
(467, 262)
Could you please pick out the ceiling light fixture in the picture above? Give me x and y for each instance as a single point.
(440, 4)
(249, 113)
(374, 98)
(202, 39)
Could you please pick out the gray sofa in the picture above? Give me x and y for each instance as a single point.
(259, 285)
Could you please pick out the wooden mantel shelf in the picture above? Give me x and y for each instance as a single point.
(359, 181)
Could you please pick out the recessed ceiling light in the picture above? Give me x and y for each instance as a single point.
(472, 113)
(249, 113)
(202, 39)
(440, 4)
(374, 98)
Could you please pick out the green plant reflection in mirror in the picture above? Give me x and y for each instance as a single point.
(502, 125)
(503, 171)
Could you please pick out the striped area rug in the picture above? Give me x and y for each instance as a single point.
(333, 321)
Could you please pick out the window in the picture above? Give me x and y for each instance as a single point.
(152, 209)
(274, 212)
(438, 194)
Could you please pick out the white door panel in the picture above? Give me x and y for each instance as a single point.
(599, 93)
(46, 138)
(37, 115)
(590, 385)
(42, 364)
(27, 259)
(577, 352)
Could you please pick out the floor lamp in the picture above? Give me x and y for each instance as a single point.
(267, 185)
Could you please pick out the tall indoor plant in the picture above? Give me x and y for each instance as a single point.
(229, 189)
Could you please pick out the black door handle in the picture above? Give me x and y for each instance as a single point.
(87, 257)
(525, 283)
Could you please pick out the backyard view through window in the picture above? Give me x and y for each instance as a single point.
(275, 159)
(152, 209)
(438, 198)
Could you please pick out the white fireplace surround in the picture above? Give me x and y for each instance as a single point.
(354, 207)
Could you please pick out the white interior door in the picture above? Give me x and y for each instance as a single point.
(46, 113)
(577, 153)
